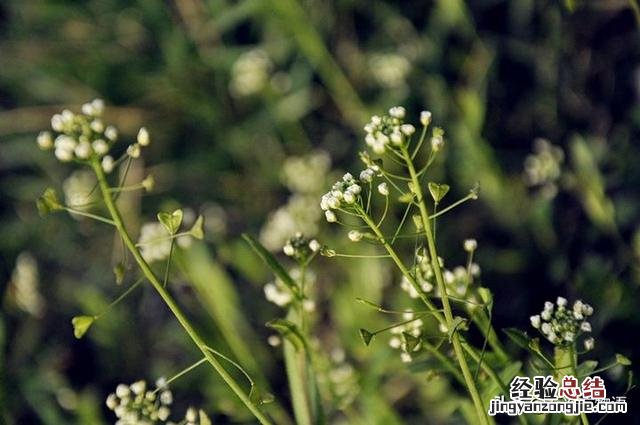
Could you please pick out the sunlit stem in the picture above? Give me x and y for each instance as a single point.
(423, 136)
(403, 269)
(120, 298)
(181, 374)
(360, 255)
(395, 325)
(384, 213)
(130, 188)
(168, 266)
(404, 217)
(163, 238)
(168, 299)
(452, 206)
(433, 253)
(89, 215)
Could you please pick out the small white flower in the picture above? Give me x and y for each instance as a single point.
(97, 126)
(63, 155)
(396, 138)
(405, 357)
(274, 340)
(397, 112)
(589, 343)
(569, 336)
(148, 183)
(309, 306)
(122, 391)
(349, 197)
(138, 387)
(407, 129)
(330, 216)
(45, 141)
(355, 189)
(98, 106)
(112, 401)
(289, 250)
(470, 245)
(163, 413)
(425, 118)
(57, 123)
(111, 133)
(133, 150)
(333, 202)
(585, 327)
(143, 137)
(383, 189)
(100, 146)
(437, 143)
(561, 301)
(355, 236)
(548, 306)
(367, 175)
(535, 321)
(83, 150)
(545, 328)
(314, 245)
(587, 310)
(107, 164)
(191, 415)
(166, 397)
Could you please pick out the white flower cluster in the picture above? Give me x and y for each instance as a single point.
(543, 168)
(301, 173)
(301, 248)
(84, 136)
(135, 405)
(389, 69)
(305, 176)
(400, 341)
(388, 130)
(278, 293)
(250, 73)
(344, 192)
(562, 325)
(457, 281)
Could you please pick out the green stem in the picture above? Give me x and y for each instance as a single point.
(566, 364)
(173, 306)
(433, 253)
(295, 364)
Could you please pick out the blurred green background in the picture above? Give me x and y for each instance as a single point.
(233, 93)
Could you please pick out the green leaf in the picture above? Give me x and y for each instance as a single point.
(273, 264)
(623, 360)
(438, 191)
(257, 397)
(406, 198)
(119, 272)
(81, 325)
(366, 336)
(289, 331)
(459, 324)
(411, 342)
(523, 340)
(197, 230)
(204, 419)
(48, 202)
(520, 338)
(171, 221)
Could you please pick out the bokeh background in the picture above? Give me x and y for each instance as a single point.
(251, 104)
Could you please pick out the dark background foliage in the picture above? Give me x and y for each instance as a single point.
(496, 75)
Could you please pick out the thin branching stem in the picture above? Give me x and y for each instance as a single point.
(168, 299)
(433, 253)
